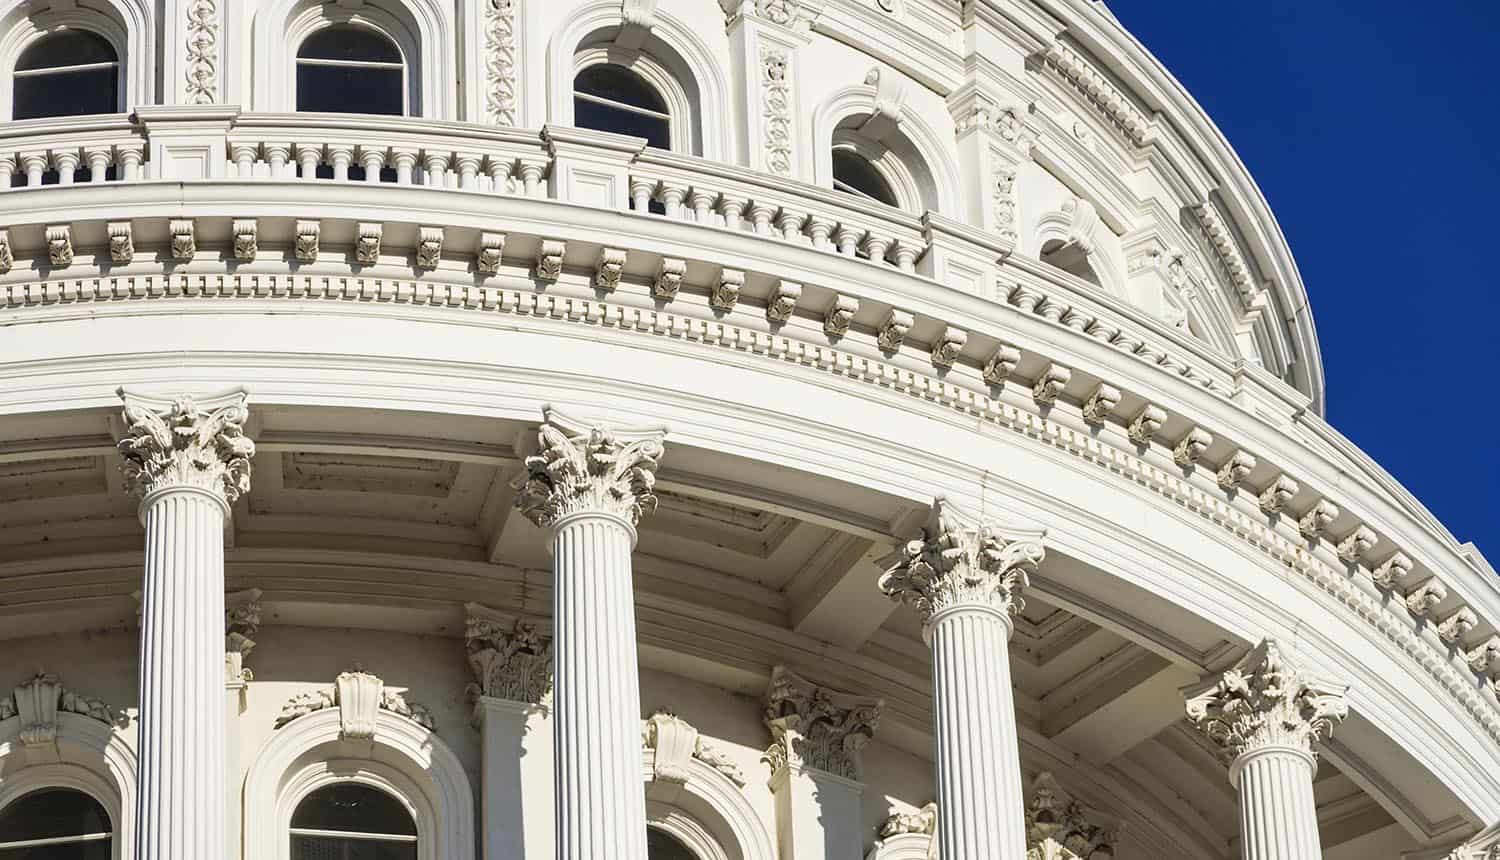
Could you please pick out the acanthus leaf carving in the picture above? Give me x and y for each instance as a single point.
(589, 470)
(816, 727)
(367, 242)
(893, 331)
(510, 659)
(609, 268)
(121, 242)
(1101, 403)
(783, 301)
(958, 563)
(202, 72)
(947, 346)
(668, 281)
(1263, 700)
(500, 61)
(840, 315)
(1192, 447)
(923, 822)
(60, 244)
(726, 290)
(178, 443)
(1146, 424)
(675, 743)
(776, 97)
(359, 696)
(1058, 825)
(1275, 497)
(1002, 364)
(241, 621)
(38, 700)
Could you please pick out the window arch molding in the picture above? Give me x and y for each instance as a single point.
(93, 759)
(422, 30)
(709, 814)
(673, 58)
(1074, 225)
(405, 760)
(914, 159)
(127, 25)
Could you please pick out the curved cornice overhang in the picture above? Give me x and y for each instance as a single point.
(1124, 55)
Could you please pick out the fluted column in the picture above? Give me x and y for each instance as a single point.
(966, 580)
(1265, 716)
(590, 487)
(188, 461)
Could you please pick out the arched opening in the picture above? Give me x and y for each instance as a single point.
(68, 73)
(55, 824)
(347, 68)
(661, 845)
(855, 174)
(610, 97)
(350, 821)
(1070, 257)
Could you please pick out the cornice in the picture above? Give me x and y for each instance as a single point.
(958, 390)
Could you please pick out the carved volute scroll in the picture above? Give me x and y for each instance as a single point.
(38, 700)
(674, 743)
(585, 468)
(359, 696)
(1264, 701)
(182, 442)
(958, 563)
(1056, 818)
(817, 727)
(509, 658)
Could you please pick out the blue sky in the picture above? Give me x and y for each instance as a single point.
(1373, 128)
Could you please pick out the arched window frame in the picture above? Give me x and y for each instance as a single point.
(423, 30)
(679, 106)
(674, 59)
(708, 813)
(92, 758)
(127, 25)
(835, 123)
(404, 759)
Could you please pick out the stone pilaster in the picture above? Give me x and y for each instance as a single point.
(512, 665)
(589, 487)
(966, 581)
(815, 766)
(188, 461)
(1265, 717)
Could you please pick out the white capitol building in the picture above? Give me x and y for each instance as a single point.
(669, 429)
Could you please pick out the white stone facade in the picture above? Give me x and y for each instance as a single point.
(563, 488)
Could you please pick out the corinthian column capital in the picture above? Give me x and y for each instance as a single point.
(958, 563)
(1264, 701)
(180, 442)
(583, 467)
(510, 659)
(817, 727)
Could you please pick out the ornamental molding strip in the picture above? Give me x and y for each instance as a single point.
(675, 744)
(582, 467)
(38, 700)
(776, 95)
(241, 621)
(959, 562)
(182, 442)
(977, 398)
(1264, 701)
(817, 727)
(201, 79)
(510, 659)
(1058, 825)
(500, 61)
(1079, 72)
(1226, 251)
(358, 695)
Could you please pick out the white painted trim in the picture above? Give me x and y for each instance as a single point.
(932, 155)
(404, 759)
(712, 816)
(95, 759)
(128, 26)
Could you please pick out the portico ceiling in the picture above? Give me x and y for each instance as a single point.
(395, 519)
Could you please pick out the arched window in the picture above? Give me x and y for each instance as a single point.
(607, 97)
(347, 68)
(349, 821)
(854, 174)
(661, 845)
(67, 73)
(55, 824)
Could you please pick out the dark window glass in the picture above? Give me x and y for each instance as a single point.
(349, 69)
(353, 44)
(69, 73)
(607, 97)
(853, 174)
(55, 814)
(386, 829)
(663, 846)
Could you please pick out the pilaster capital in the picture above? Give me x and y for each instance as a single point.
(816, 727)
(1265, 701)
(510, 659)
(181, 442)
(582, 467)
(958, 563)
(241, 621)
(1056, 818)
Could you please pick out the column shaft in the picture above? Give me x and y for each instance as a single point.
(1278, 816)
(980, 804)
(182, 720)
(601, 806)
